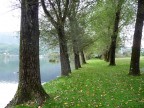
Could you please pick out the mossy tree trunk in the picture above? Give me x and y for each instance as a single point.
(135, 56)
(29, 88)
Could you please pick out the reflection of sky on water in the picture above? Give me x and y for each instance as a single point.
(9, 69)
(48, 70)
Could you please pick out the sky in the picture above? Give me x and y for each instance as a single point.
(9, 17)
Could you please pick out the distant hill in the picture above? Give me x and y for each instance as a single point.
(11, 49)
(9, 43)
(9, 38)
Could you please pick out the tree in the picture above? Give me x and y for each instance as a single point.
(74, 32)
(29, 88)
(77, 19)
(57, 11)
(101, 22)
(135, 56)
(48, 34)
(115, 32)
(83, 57)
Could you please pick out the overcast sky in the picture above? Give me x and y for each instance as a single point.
(9, 17)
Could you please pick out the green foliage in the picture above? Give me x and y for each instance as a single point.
(97, 85)
(128, 12)
(101, 21)
(78, 10)
(48, 34)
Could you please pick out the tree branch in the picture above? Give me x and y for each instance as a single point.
(53, 7)
(58, 2)
(48, 13)
(65, 10)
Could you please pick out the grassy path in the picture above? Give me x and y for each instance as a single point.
(97, 85)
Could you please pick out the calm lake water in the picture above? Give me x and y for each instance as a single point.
(9, 67)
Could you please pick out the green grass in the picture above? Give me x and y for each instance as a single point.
(97, 85)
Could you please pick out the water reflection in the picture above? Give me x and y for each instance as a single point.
(9, 67)
(49, 70)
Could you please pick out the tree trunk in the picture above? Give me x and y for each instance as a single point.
(79, 64)
(29, 88)
(77, 61)
(112, 52)
(64, 57)
(106, 56)
(74, 33)
(76, 54)
(57, 17)
(114, 36)
(135, 57)
(83, 57)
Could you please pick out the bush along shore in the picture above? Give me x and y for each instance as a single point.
(96, 85)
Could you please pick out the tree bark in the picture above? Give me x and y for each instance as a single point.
(83, 57)
(115, 34)
(75, 51)
(135, 56)
(64, 57)
(106, 55)
(77, 60)
(29, 88)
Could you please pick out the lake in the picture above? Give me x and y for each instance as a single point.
(9, 67)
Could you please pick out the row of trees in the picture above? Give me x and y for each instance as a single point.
(67, 31)
(135, 57)
(76, 24)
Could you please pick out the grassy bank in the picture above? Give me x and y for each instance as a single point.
(97, 85)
